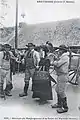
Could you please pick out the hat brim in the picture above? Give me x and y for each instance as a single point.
(60, 48)
(7, 47)
(30, 46)
(27, 45)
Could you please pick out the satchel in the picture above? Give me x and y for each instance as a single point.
(41, 75)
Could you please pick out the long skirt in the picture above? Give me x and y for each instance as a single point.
(42, 89)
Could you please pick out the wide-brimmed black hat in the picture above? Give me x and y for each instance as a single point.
(62, 47)
(30, 45)
(7, 46)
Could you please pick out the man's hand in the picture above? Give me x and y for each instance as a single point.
(37, 67)
(22, 61)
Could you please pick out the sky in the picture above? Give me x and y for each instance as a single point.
(40, 12)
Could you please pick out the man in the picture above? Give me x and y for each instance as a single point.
(50, 47)
(31, 60)
(61, 67)
(1, 74)
(6, 68)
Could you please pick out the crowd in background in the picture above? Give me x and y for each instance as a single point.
(42, 49)
(19, 54)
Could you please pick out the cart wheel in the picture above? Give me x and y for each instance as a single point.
(74, 77)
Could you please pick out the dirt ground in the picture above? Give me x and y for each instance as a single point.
(25, 108)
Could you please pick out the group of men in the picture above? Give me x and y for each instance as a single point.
(31, 60)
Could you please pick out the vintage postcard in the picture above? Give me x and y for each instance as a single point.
(39, 59)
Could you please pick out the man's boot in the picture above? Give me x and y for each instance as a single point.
(58, 104)
(2, 95)
(64, 106)
(10, 86)
(25, 90)
(8, 89)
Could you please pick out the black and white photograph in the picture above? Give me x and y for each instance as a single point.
(39, 60)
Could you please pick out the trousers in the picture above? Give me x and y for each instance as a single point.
(62, 85)
(5, 76)
(29, 73)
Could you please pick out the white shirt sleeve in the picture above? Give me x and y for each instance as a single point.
(36, 57)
